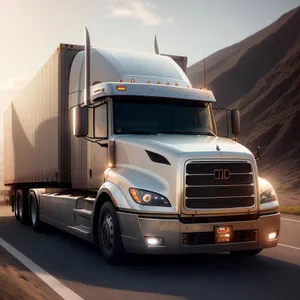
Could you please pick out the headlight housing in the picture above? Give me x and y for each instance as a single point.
(268, 196)
(144, 197)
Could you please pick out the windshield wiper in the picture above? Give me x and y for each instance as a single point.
(189, 132)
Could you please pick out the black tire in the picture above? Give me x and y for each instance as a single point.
(109, 235)
(35, 213)
(247, 253)
(15, 206)
(22, 201)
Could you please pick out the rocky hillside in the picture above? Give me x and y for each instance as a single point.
(262, 75)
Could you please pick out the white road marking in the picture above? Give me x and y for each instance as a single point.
(51, 281)
(288, 246)
(292, 220)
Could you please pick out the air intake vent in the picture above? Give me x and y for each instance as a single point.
(157, 158)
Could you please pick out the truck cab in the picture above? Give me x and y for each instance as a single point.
(175, 185)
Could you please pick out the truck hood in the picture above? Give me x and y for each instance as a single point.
(135, 167)
(174, 144)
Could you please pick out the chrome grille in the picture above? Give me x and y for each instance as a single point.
(204, 190)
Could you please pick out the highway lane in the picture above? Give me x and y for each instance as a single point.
(273, 275)
(289, 223)
(289, 242)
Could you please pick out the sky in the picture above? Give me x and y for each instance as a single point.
(30, 30)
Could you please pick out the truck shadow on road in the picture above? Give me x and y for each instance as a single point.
(80, 264)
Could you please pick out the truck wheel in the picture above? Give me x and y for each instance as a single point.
(23, 207)
(16, 206)
(109, 235)
(35, 213)
(246, 252)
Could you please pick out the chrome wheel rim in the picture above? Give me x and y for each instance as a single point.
(20, 202)
(16, 206)
(107, 232)
(33, 210)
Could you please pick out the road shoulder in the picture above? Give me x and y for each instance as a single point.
(17, 282)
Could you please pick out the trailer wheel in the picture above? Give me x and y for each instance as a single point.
(109, 235)
(35, 212)
(16, 206)
(248, 253)
(22, 207)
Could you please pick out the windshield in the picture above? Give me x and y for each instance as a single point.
(159, 116)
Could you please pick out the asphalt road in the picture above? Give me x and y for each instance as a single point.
(275, 274)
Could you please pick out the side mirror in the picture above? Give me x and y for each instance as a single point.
(80, 121)
(235, 122)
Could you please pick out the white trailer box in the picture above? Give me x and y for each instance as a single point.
(36, 135)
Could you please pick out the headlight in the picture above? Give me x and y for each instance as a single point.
(268, 196)
(144, 197)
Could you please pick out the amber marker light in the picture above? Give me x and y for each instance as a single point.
(134, 195)
(121, 88)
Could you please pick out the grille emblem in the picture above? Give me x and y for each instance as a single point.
(220, 174)
(218, 149)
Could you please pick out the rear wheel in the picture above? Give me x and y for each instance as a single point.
(34, 212)
(248, 253)
(15, 205)
(22, 203)
(109, 235)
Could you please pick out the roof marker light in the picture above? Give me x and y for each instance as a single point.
(176, 84)
(121, 88)
(158, 82)
(132, 80)
(121, 80)
(168, 83)
(149, 82)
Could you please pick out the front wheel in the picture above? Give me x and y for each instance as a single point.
(109, 235)
(246, 252)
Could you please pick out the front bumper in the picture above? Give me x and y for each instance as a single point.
(135, 228)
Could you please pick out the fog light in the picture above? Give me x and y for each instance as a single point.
(153, 241)
(272, 235)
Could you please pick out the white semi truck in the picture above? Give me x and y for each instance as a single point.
(118, 148)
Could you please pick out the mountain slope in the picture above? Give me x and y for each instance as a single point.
(224, 59)
(262, 75)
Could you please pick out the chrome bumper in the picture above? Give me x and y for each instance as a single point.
(134, 229)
